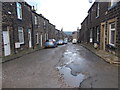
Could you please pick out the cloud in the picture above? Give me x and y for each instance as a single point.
(64, 13)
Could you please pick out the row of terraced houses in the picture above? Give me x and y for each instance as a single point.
(23, 29)
(102, 27)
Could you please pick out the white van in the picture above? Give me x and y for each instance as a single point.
(74, 41)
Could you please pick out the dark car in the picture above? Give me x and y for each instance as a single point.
(50, 43)
(60, 42)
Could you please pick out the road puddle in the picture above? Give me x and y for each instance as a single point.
(69, 79)
(69, 68)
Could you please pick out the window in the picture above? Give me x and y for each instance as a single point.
(98, 10)
(98, 34)
(19, 11)
(112, 34)
(21, 35)
(44, 23)
(112, 3)
(35, 20)
(37, 38)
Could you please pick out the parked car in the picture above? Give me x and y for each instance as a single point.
(74, 41)
(50, 43)
(60, 42)
(65, 41)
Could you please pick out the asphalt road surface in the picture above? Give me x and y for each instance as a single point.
(66, 66)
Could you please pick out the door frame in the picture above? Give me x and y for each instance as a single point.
(41, 40)
(102, 39)
(5, 54)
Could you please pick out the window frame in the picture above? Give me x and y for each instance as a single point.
(19, 10)
(98, 33)
(20, 30)
(110, 30)
(36, 20)
(37, 38)
(112, 4)
(98, 10)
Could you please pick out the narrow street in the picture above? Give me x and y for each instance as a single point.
(69, 65)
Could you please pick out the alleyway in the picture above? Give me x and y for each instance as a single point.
(65, 66)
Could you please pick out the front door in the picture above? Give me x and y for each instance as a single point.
(103, 36)
(29, 38)
(6, 40)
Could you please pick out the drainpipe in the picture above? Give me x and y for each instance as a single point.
(32, 30)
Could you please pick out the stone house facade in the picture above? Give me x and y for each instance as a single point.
(51, 31)
(0, 29)
(102, 26)
(15, 26)
(22, 29)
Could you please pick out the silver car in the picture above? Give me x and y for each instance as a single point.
(50, 43)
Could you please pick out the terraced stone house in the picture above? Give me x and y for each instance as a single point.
(22, 30)
(0, 29)
(16, 27)
(102, 26)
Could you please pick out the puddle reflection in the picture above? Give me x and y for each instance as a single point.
(69, 79)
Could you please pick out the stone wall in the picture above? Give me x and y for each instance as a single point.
(0, 29)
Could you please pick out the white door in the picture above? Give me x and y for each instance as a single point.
(41, 39)
(6, 40)
(29, 38)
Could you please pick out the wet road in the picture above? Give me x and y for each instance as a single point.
(65, 66)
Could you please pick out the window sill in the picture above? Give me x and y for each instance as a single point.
(97, 16)
(21, 43)
(20, 19)
(111, 46)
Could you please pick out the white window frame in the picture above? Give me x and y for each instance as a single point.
(21, 35)
(19, 10)
(36, 20)
(110, 30)
(37, 38)
(98, 10)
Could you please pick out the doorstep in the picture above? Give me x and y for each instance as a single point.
(108, 57)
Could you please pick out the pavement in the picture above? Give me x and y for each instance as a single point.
(67, 66)
(108, 57)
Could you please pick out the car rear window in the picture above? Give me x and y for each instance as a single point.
(47, 40)
(50, 40)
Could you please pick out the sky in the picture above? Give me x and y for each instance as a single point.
(66, 14)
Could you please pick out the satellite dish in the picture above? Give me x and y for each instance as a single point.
(90, 1)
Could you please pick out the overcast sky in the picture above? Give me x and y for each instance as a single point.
(63, 13)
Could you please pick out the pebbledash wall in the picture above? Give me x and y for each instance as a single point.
(91, 28)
